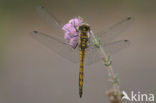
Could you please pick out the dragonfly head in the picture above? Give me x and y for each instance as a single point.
(84, 28)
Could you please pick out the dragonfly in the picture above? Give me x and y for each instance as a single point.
(86, 52)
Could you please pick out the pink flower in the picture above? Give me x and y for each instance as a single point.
(74, 41)
(76, 21)
(71, 31)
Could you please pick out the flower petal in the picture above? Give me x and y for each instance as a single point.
(73, 42)
(69, 28)
(75, 22)
(71, 32)
(67, 36)
(66, 27)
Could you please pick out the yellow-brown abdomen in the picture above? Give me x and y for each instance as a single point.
(82, 56)
(83, 44)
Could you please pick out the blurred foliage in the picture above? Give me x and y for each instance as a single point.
(4, 24)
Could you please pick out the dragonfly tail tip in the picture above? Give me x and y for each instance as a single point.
(80, 95)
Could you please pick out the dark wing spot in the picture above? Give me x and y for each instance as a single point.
(126, 40)
(35, 32)
(42, 7)
(128, 18)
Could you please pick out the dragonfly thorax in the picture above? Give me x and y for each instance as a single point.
(83, 36)
(84, 28)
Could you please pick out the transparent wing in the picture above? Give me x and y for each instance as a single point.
(114, 31)
(93, 55)
(56, 45)
(116, 46)
(67, 52)
(51, 20)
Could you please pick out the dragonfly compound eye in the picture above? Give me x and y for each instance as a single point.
(84, 28)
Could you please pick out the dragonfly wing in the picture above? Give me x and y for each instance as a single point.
(58, 46)
(114, 31)
(51, 20)
(73, 55)
(93, 54)
(116, 46)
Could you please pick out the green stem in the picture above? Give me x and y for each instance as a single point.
(107, 63)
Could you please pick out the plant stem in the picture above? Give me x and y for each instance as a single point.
(107, 63)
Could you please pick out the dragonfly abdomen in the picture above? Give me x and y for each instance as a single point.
(82, 56)
(83, 44)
